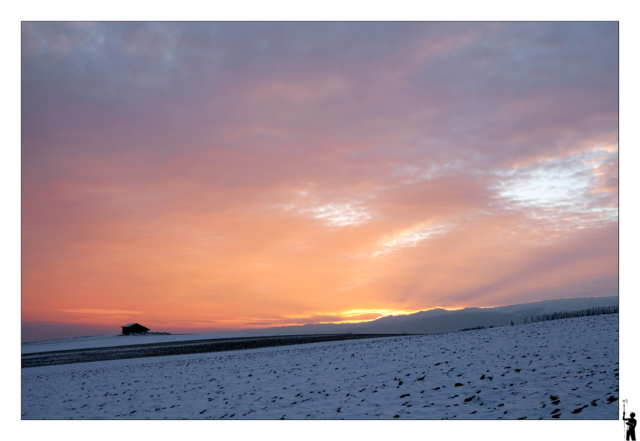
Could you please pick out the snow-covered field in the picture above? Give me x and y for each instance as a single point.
(565, 369)
(107, 341)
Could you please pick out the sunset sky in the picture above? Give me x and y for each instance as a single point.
(196, 177)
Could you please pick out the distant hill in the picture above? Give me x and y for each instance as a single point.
(441, 320)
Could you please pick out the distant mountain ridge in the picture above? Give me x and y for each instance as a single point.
(441, 320)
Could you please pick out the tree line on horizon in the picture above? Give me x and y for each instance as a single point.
(572, 314)
(558, 316)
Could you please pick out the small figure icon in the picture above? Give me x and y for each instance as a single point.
(631, 426)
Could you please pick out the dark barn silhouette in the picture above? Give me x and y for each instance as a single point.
(134, 328)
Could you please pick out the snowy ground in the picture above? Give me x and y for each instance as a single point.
(563, 369)
(106, 341)
(179, 348)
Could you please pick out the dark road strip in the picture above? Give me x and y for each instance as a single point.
(180, 348)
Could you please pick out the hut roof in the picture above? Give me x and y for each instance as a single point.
(132, 324)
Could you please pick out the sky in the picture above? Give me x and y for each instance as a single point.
(198, 177)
